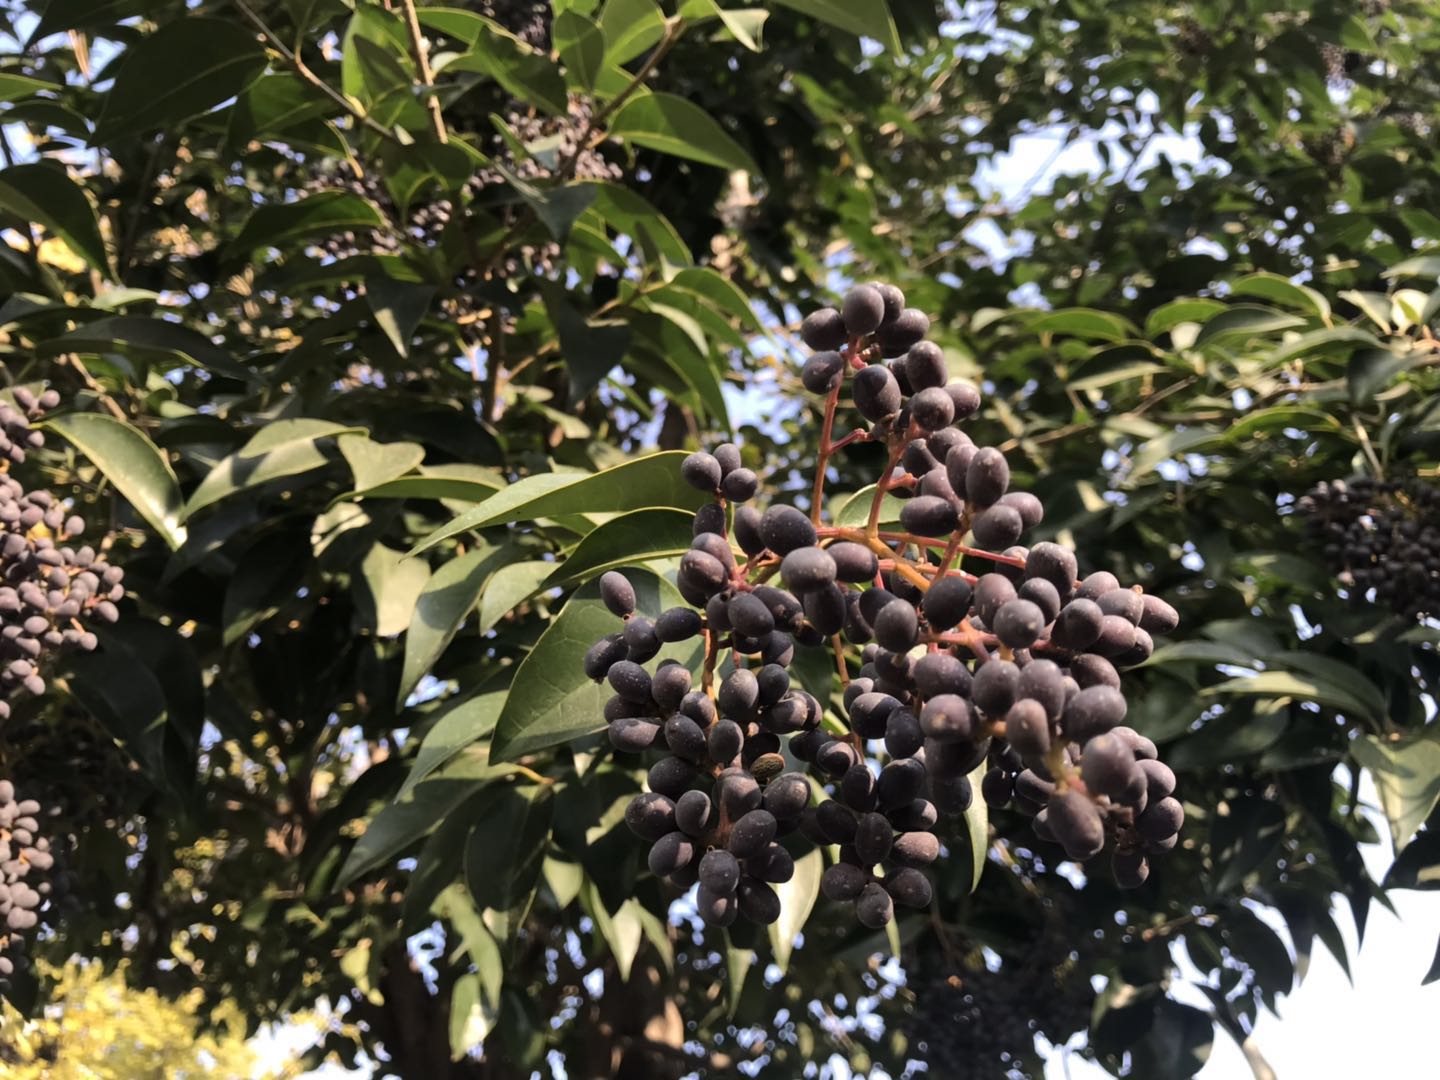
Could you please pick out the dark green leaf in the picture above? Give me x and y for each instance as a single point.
(281, 448)
(506, 848)
(635, 537)
(183, 69)
(447, 598)
(868, 18)
(581, 46)
(320, 214)
(157, 341)
(41, 192)
(456, 728)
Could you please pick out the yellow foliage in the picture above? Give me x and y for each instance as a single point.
(97, 1028)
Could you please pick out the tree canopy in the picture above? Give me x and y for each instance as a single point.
(379, 332)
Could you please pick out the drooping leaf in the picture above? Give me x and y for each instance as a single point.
(157, 341)
(630, 27)
(441, 607)
(797, 899)
(648, 481)
(42, 192)
(391, 585)
(675, 126)
(1407, 774)
(457, 727)
(183, 69)
(1244, 321)
(133, 464)
(510, 585)
(869, 18)
(581, 45)
(506, 847)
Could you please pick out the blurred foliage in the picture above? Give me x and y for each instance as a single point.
(302, 327)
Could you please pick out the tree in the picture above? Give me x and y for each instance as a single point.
(318, 281)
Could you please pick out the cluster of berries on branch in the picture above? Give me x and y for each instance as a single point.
(977, 655)
(51, 593)
(1381, 538)
(25, 879)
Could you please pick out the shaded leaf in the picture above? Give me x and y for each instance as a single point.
(1407, 774)
(281, 448)
(505, 850)
(675, 126)
(183, 69)
(320, 214)
(42, 192)
(510, 585)
(797, 899)
(447, 598)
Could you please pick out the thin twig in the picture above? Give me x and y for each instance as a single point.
(422, 64)
(300, 68)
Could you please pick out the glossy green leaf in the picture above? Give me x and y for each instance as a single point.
(1167, 316)
(460, 482)
(581, 46)
(135, 465)
(372, 463)
(281, 448)
(405, 821)
(638, 536)
(591, 350)
(1297, 685)
(675, 126)
(630, 27)
(551, 701)
(854, 513)
(183, 69)
(1241, 321)
(529, 75)
(1281, 290)
(797, 900)
(648, 481)
(1084, 323)
(42, 192)
(449, 596)
(512, 584)
(459, 726)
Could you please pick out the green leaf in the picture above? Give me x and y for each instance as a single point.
(977, 828)
(557, 206)
(135, 465)
(636, 537)
(738, 963)
(628, 213)
(1281, 290)
(1122, 373)
(648, 481)
(281, 448)
(1407, 774)
(458, 481)
(1242, 321)
(1427, 266)
(403, 822)
(1176, 1044)
(78, 14)
(522, 71)
(1084, 323)
(551, 701)
(398, 307)
(675, 126)
(1297, 685)
(581, 46)
(457, 727)
(183, 69)
(1369, 370)
(391, 583)
(717, 290)
(373, 463)
(147, 341)
(268, 575)
(797, 900)
(1242, 840)
(511, 584)
(1172, 444)
(854, 513)
(630, 27)
(320, 214)
(864, 18)
(42, 192)
(471, 1020)
(1418, 864)
(1281, 416)
(273, 104)
(1317, 340)
(1168, 316)
(447, 598)
(590, 350)
(506, 848)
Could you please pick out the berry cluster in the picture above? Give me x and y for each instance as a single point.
(1382, 538)
(23, 853)
(1015, 663)
(49, 591)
